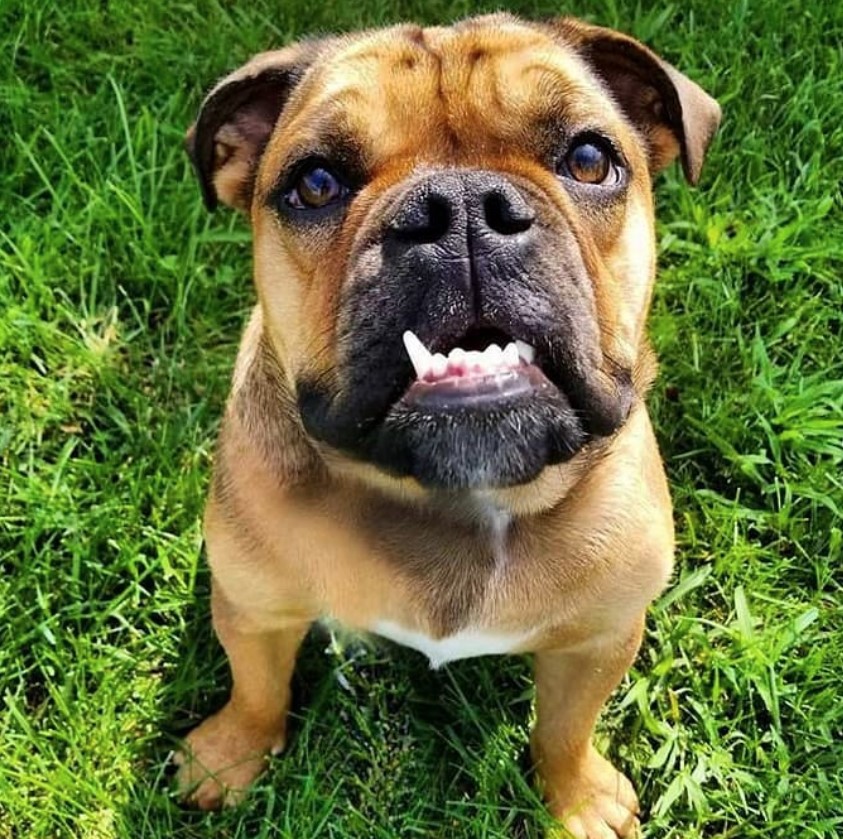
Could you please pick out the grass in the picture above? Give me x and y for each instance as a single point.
(121, 306)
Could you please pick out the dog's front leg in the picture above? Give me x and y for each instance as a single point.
(228, 750)
(583, 790)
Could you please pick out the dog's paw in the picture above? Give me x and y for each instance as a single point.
(220, 759)
(598, 802)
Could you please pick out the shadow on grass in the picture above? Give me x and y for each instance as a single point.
(379, 744)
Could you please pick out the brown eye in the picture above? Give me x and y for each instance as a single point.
(315, 188)
(589, 162)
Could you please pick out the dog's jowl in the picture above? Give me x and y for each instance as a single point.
(436, 430)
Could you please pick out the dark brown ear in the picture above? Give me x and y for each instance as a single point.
(237, 118)
(675, 116)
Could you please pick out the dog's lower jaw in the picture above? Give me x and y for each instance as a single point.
(500, 443)
(452, 450)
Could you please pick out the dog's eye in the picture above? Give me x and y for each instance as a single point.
(589, 161)
(315, 188)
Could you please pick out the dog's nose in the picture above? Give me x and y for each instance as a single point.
(454, 236)
(476, 204)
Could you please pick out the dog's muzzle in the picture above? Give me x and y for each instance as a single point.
(469, 352)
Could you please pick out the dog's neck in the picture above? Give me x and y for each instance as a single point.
(485, 507)
(496, 520)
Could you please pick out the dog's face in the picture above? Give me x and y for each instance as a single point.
(454, 246)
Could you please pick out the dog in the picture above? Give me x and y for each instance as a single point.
(437, 429)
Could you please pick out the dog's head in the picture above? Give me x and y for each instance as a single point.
(454, 247)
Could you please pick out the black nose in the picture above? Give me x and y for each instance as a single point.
(473, 203)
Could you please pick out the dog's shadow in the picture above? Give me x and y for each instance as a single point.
(379, 744)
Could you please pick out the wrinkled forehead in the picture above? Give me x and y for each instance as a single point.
(445, 93)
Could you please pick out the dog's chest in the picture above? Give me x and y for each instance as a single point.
(467, 643)
(471, 639)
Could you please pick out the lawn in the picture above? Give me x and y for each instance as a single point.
(121, 302)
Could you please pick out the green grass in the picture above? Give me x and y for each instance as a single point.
(121, 307)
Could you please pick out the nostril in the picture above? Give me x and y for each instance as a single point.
(507, 214)
(426, 221)
(439, 210)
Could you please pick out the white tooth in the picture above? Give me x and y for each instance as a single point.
(526, 352)
(493, 355)
(510, 355)
(457, 356)
(418, 352)
(438, 365)
(474, 359)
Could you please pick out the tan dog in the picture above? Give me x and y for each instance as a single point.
(417, 196)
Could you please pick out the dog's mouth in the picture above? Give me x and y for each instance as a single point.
(483, 408)
(483, 366)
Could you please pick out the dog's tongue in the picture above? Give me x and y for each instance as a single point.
(460, 363)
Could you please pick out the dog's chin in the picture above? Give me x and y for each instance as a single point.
(490, 432)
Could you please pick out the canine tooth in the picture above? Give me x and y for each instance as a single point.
(526, 352)
(510, 355)
(418, 352)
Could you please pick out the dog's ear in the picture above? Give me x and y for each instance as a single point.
(237, 118)
(676, 117)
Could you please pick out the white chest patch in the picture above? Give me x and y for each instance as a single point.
(466, 643)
